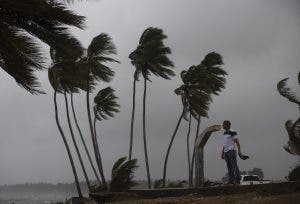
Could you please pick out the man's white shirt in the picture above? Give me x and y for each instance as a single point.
(229, 137)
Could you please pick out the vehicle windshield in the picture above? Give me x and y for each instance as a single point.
(251, 178)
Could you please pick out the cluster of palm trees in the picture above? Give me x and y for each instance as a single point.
(81, 73)
(199, 84)
(25, 24)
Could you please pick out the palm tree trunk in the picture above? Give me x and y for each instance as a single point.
(97, 145)
(75, 143)
(98, 161)
(169, 148)
(132, 120)
(83, 141)
(144, 134)
(193, 157)
(188, 150)
(67, 148)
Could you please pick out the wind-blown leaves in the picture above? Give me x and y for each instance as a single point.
(106, 104)
(22, 25)
(122, 175)
(151, 55)
(286, 92)
(97, 55)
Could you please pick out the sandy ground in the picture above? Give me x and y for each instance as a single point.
(250, 198)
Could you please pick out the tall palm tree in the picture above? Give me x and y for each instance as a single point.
(194, 101)
(151, 57)
(21, 23)
(55, 76)
(199, 83)
(105, 106)
(293, 128)
(71, 80)
(93, 63)
(210, 76)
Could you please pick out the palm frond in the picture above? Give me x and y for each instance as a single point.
(24, 21)
(286, 92)
(123, 174)
(101, 46)
(150, 56)
(105, 104)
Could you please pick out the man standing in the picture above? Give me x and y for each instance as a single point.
(229, 153)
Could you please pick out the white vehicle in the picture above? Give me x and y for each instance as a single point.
(252, 180)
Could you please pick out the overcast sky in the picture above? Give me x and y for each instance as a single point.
(259, 41)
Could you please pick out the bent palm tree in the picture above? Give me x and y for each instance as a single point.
(293, 128)
(54, 78)
(122, 175)
(105, 106)
(71, 81)
(211, 78)
(21, 23)
(150, 57)
(194, 101)
(93, 63)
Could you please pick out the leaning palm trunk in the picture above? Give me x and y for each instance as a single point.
(169, 148)
(188, 150)
(75, 143)
(96, 152)
(193, 156)
(132, 120)
(67, 148)
(83, 141)
(144, 134)
(97, 146)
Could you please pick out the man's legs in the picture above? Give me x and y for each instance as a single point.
(229, 167)
(234, 165)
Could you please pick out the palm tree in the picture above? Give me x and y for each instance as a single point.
(71, 80)
(93, 63)
(199, 82)
(293, 128)
(105, 106)
(21, 23)
(55, 75)
(194, 101)
(211, 78)
(150, 56)
(122, 175)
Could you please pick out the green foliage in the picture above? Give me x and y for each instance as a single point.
(23, 21)
(97, 55)
(122, 175)
(170, 184)
(106, 104)
(150, 56)
(199, 82)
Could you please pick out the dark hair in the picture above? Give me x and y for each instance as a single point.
(227, 122)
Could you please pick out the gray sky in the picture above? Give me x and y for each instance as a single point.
(259, 41)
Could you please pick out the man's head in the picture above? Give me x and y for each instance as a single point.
(226, 124)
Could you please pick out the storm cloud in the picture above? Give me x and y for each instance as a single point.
(259, 41)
